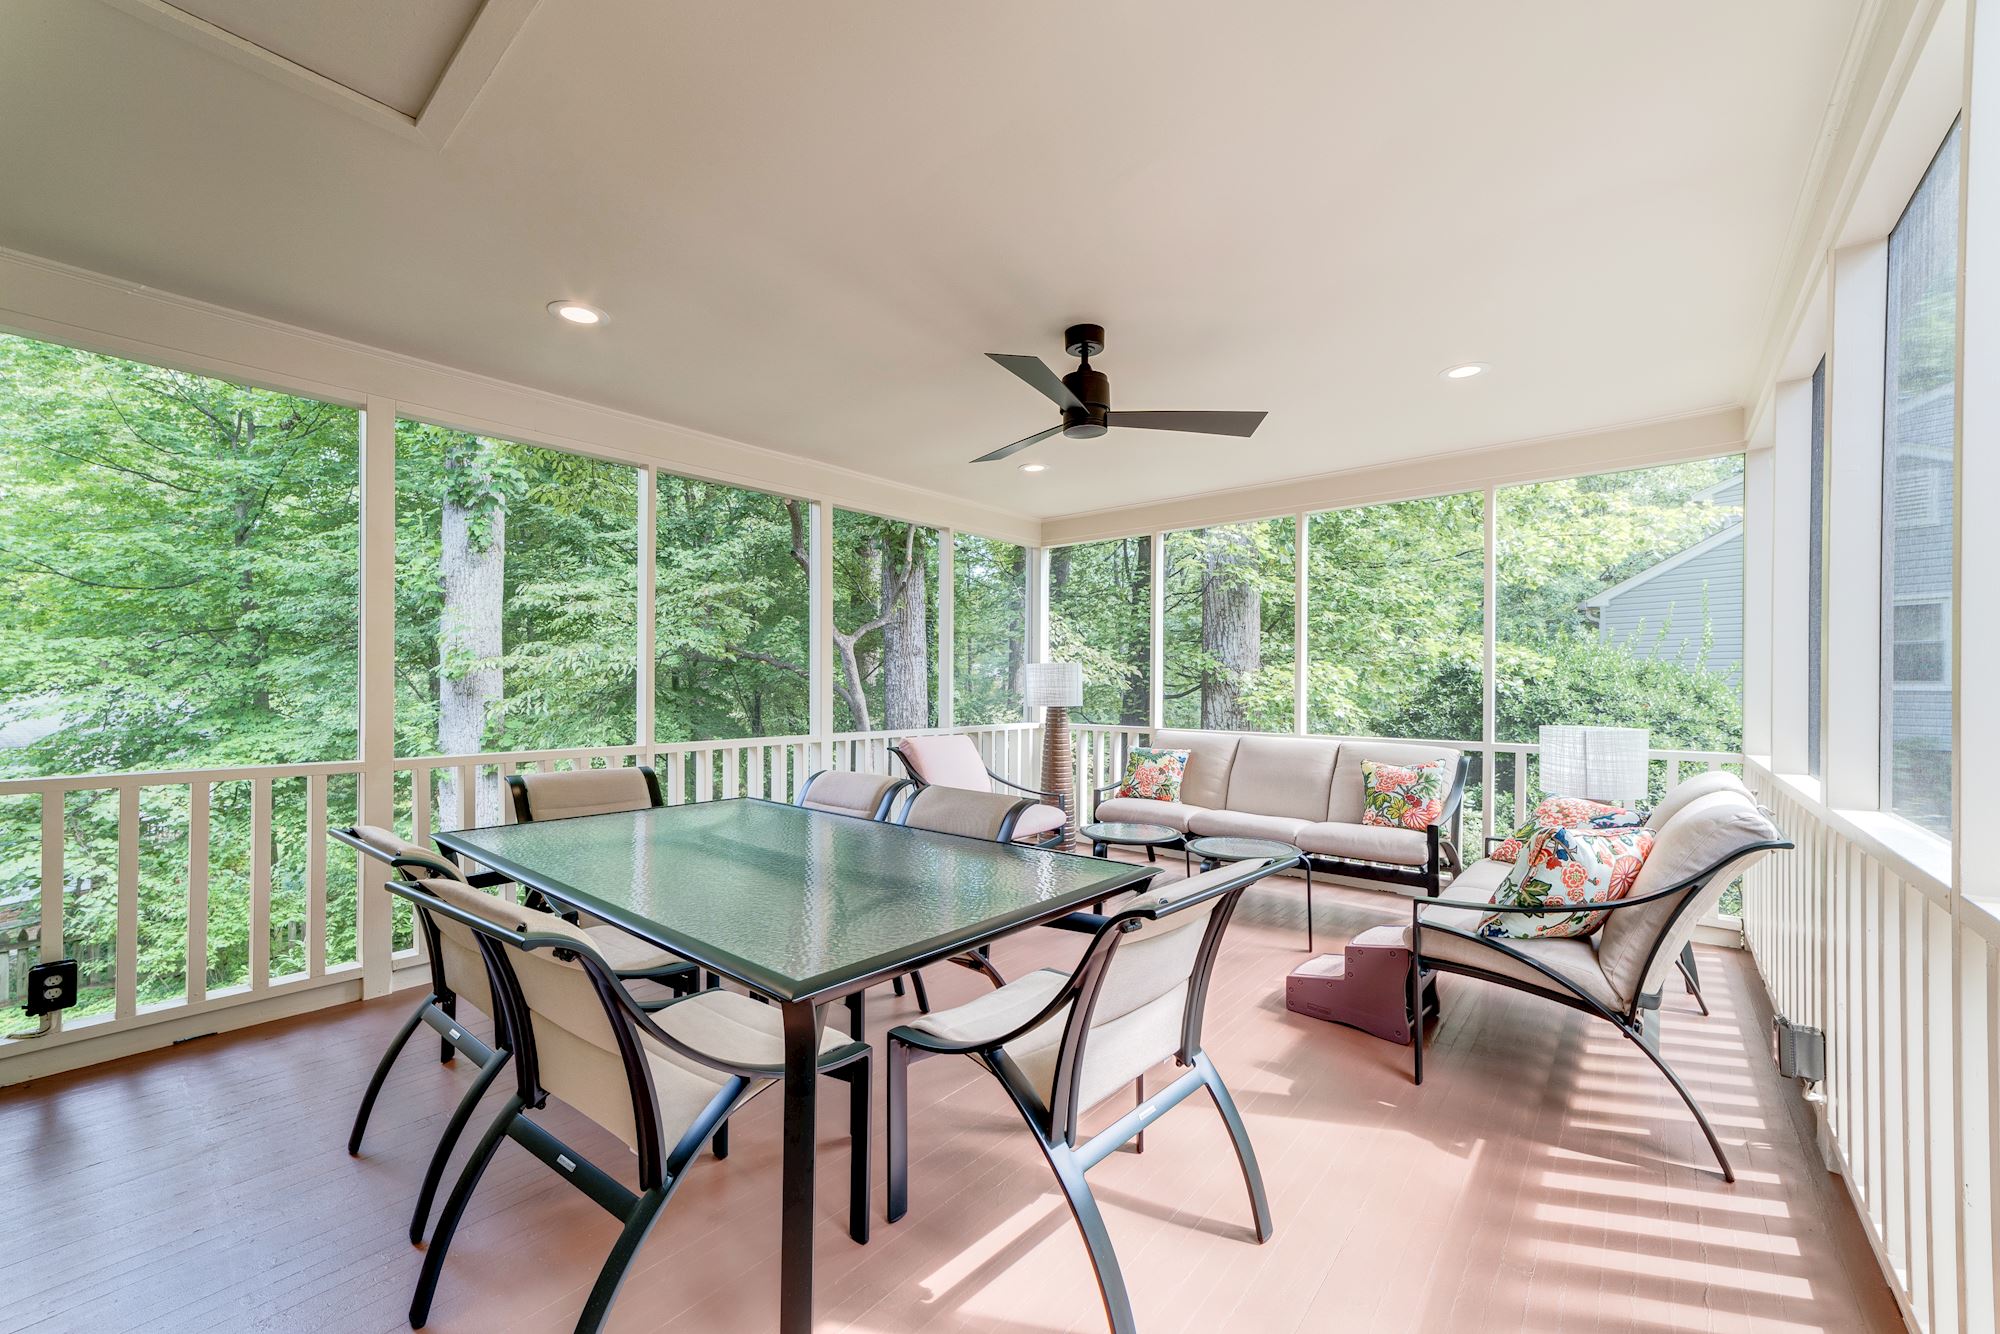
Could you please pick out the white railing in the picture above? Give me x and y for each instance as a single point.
(1867, 947)
(185, 892)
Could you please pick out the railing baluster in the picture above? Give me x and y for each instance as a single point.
(316, 875)
(197, 893)
(260, 884)
(126, 987)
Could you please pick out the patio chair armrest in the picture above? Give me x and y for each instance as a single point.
(1049, 798)
(1600, 905)
(642, 1017)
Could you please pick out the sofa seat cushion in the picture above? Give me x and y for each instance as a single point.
(1366, 843)
(1037, 821)
(1479, 880)
(1572, 958)
(1242, 824)
(1139, 810)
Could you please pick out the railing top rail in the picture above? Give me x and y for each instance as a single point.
(175, 777)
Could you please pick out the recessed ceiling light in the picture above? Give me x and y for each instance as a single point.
(576, 312)
(1034, 467)
(1465, 372)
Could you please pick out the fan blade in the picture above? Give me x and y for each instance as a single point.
(1017, 446)
(1036, 372)
(1205, 423)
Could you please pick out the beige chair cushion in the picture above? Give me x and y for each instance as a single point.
(1366, 843)
(848, 793)
(1283, 776)
(563, 796)
(1693, 789)
(1038, 821)
(627, 953)
(1346, 796)
(1702, 833)
(389, 845)
(1140, 810)
(1205, 780)
(956, 810)
(1241, 824)
(1574, 958)
(1479, 880)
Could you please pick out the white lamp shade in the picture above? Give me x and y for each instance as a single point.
(1600, 763)
(1057, 685)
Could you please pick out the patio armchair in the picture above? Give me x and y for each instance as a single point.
(1702, 844)
(1061, 1043)
(458, 974)
(953, 761)
(849, 792)
(662, 1081)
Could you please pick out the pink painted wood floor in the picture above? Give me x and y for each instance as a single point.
(1543, 1178)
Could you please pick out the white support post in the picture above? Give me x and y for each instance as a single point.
(1853, 620)
(1156, 635)
(649, 538)
(377, 784)
(1788, 582)
(1489, 656)
(1301, 566)
(820, 651)
(1761, 601)
(1038, 614)
(947, 702)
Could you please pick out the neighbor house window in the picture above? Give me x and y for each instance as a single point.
(732, 613)
(1227, 652)
(885, 640)
(1918, 436)
(989, 629)
(1816, 571)
(181, 557)
(1101, 615)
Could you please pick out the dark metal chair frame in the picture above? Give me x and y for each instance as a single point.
(1057, 1129)
(1639, 1021)
(439, 1010)
(1442, 850)
(662, 1165)
(1052, 839)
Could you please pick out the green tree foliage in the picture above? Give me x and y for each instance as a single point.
(1228, 622)
(884, 623)
(989, 617)
(1100, 615)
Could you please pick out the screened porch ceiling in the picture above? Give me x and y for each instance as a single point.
(808, 225)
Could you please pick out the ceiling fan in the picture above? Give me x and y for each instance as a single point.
(1084, 395)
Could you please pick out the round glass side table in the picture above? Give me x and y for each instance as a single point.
(1129, 834)
(1215, 851)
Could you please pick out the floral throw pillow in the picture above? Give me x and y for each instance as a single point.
(1404, 796)
(1567, 813)
(1566, 870)
(1153, 775)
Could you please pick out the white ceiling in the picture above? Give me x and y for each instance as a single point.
(808, 222)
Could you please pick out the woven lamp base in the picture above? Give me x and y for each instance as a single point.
(1058, 764)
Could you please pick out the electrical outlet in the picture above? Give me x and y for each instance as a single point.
(51, 987)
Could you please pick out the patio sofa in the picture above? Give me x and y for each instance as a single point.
(1304, 791)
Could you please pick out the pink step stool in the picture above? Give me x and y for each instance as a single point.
(1366, 988)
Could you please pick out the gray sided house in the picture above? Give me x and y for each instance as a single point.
(1918, 512)
(1669, 609)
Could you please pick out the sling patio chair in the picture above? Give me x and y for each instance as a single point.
(1702, 844)
(865, 796)
(458, 975)
(1061, 1043)
(953, 761)
(663, 1080)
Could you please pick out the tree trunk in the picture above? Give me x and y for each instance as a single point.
(472, 566)
(1231, 626)
(1135, 559)
(906, 685)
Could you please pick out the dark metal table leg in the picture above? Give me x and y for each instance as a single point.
(1309, 907)
(795, 1288)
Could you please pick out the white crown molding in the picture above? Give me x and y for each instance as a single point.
(44, 298)
(1642, 444)
(480, 49)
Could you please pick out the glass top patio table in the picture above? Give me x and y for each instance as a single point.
(798, 904)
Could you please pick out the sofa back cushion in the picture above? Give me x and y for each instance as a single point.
(1282, 775)
(1211, 755)
(1720, 827)
(1346, 795)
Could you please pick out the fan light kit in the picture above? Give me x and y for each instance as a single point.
(1084, 395)
(1034, 467)
(1465, 372)
(575, 312)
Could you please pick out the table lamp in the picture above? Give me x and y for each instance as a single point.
(1596, 763)
(1056, 688)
